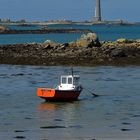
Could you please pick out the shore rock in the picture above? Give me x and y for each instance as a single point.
(48, 44)
(3, 29)
(124, 40)
(88, 40)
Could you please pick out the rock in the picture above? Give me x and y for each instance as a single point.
(109, 44)
(47, 41)
(72, 44)
(52, 53)
(124, 40)
(118, 53)
(63, 46)
(48, 44)
(89, 40)
(3, 29)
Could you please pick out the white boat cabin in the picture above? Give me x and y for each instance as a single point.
(69, 82)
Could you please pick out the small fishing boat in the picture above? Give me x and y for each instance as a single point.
(69, 89)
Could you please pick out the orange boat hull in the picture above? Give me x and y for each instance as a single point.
(57, 95)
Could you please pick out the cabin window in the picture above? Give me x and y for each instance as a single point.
(64, 80)
(76, 80)
(69, 80)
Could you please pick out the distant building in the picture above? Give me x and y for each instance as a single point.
(98, 11)
(22, 21)
(6, 20)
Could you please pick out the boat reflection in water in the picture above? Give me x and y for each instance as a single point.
(52, 106)
(47, 106)
(58, 113)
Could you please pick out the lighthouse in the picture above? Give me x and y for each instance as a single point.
(98, 11)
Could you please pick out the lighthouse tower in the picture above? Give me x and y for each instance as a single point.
(98, 11)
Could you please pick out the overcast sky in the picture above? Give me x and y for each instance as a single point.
(69, 9)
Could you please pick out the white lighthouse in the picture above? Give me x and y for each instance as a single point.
(98, 11)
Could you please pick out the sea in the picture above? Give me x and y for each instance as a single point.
(113, 115)
(104, 32)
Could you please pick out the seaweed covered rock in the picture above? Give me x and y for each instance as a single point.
(124, 40)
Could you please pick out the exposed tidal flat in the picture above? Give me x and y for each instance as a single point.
(86, 51)
(115, 114)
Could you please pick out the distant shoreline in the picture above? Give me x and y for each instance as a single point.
(72, 23)
(44, 31)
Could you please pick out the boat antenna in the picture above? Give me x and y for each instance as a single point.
(72, 71)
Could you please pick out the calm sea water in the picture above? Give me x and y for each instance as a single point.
(105, 32)
(32, 27)
(39, 38)
(108, 32)
(114, 114)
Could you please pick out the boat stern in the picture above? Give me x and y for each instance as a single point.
(45, 92)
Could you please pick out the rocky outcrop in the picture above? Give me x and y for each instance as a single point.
(48, 44)
(51, 53)
(3, 29)
(87, 40)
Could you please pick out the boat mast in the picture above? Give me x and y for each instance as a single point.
(72, 71)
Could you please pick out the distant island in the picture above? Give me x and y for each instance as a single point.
(42, 30)
(24, 22)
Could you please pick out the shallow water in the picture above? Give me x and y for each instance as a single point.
(114, 114)
(108, 32)
(105, 32)
(38, 38)
(28, 27)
